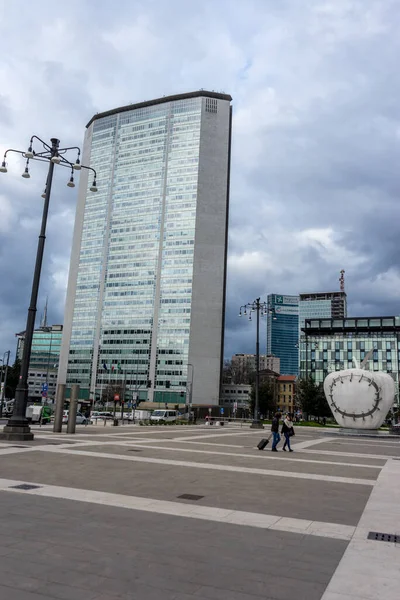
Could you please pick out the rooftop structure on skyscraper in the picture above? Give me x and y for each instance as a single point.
(319, 305)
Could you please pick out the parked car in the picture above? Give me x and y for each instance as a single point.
(165, 415)
(98, 416)
(80, 418)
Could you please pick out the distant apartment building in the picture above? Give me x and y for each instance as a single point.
(244, 365)
(235, 397)
(286, 393)
(43, 364)
(284, 388)
(283, 331)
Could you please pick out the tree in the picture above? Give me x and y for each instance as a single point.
(322, 406)
(227, 372)
(237, 373)
(312, 399)
(12, 379)
(110, 391)
(266, 398)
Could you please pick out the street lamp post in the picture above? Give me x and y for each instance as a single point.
(249, 308)
(17, 427)
(3, 391)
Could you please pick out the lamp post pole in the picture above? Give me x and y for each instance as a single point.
(249, 308)
(17, 427)
(3, 391)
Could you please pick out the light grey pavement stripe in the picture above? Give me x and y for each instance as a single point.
(195, 465)
(353, 442)
(352, 454)
(207, 443)
(314, 442)
(369, 569)
(180, 509)
(10, 450)
(260, 455)
(224, 434)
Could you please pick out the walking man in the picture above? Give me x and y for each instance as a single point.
(275, 431)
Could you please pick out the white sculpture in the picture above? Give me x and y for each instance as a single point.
(359, 399)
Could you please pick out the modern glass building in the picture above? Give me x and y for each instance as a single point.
(43, 365)
(320, 305)
(146, 292)
(283, 331)
(331, 344)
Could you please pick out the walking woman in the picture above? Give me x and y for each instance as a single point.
(275, 432)
(288, 431)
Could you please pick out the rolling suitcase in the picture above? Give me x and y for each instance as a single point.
(264, 442)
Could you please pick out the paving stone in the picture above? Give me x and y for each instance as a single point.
(8, 593)
(66, 592)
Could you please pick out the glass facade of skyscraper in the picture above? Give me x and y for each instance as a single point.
(43, 364)
(320, 305)
(283, 331)
(132, 305)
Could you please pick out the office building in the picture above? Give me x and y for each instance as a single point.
(283, 331)
(331, 344)
(146, 292)
(321, 305)
(43, 364)
(244, 366)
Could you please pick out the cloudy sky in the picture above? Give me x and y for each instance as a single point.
(315, 171)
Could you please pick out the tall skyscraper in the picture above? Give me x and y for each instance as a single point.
(146, 291)
(283, 331)
(317, 305)
(320, 305)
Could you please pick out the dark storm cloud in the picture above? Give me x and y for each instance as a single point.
(316, 136)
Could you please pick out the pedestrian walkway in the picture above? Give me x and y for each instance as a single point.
(185, 513)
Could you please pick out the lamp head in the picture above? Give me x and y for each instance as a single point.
(93, 187)
(29, 152)
(26, 174)
(3, 168)
(44, 193)
(56, 159)
(71, 183)
(77, 164)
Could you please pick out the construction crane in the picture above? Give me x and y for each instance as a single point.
(341, 280)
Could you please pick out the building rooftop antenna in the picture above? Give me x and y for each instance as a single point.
(44, 316)
(341, 280)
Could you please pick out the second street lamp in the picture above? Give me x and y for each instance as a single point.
(17, 427)
(247, 310)
(3, 387)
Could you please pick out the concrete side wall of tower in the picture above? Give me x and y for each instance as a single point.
(206, 329)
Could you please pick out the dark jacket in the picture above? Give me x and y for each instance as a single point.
(275, 425)
(285, 428)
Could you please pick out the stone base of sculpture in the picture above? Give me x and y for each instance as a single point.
(359, 399)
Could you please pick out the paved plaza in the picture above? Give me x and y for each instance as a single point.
(198, 513)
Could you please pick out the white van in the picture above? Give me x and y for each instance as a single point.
(164, 415)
